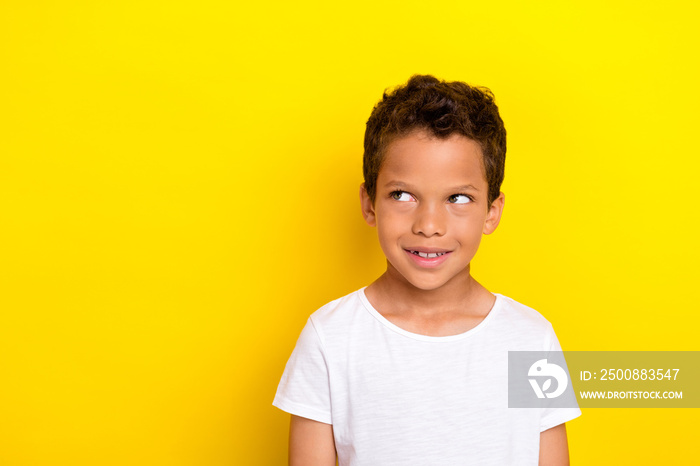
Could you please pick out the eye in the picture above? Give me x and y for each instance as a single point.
(459, 199)
(401, 196)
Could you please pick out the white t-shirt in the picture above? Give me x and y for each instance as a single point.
(400, 398)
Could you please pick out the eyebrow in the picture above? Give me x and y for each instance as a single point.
(402, 185)
(466, 187)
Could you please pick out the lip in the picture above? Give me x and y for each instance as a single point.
(426, 250)
(428, 262)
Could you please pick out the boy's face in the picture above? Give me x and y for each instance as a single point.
(431, 208)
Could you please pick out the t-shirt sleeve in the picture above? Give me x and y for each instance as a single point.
(304, 389)
(552, 417)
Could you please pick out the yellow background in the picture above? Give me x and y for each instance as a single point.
(178, 192)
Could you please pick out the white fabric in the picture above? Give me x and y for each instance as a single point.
(400, 398)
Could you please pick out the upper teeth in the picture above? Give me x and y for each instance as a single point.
(428, 254)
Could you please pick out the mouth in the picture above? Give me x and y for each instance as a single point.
(427, 255)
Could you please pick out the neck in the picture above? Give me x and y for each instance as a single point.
(398, 293)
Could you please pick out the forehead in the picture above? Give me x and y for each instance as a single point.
(421, 157)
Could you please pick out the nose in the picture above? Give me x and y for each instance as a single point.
(430, 220)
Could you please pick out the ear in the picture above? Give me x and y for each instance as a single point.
(493, 217)
(367, 207)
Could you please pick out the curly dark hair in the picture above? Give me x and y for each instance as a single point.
(442, 108)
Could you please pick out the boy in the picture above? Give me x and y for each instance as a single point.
(413, 369)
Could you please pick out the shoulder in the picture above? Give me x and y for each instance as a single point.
(339, 315)
(518, 319)
(325, 330)
(515, 311)
(339, 308)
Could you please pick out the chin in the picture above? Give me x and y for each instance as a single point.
(424, 280)
(426, 285)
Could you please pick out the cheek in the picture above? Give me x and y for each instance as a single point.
(390, 228)
(391, 220)
(387, 230)
(468, 230)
